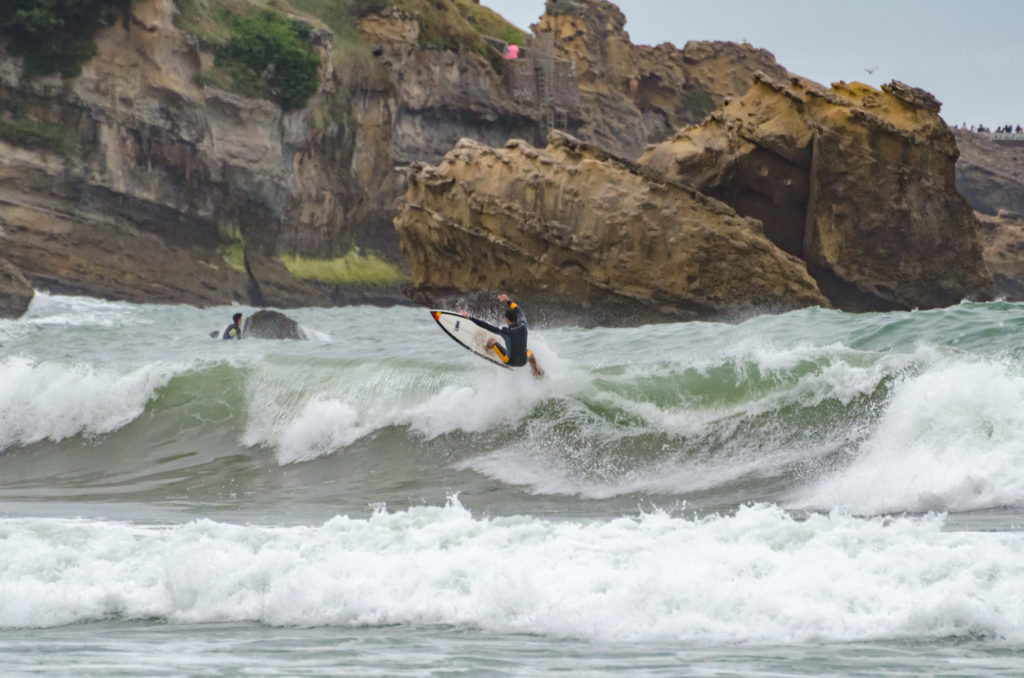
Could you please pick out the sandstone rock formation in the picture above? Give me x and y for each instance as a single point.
(990, 175)
(15, 292)
(163, 172)
(1003, 236)
(634, 95)
(857, 182)
(588, 235)
(171, 189)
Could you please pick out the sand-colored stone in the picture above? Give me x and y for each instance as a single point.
(857, 182)
(588, 238)
(634, 95)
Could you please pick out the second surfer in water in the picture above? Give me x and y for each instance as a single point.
(514, 353)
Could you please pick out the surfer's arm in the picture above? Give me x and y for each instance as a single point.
(487, 326)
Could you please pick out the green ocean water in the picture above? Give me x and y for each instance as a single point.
(814, 493)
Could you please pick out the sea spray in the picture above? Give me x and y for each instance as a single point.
(57, 400)
(950, 439)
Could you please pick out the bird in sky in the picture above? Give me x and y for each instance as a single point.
(871, 70)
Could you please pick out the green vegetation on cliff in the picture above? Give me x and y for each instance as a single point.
(352, 269)
(263, 48)
(56, 36)
(270, 54)
(695, 103)
(456, 24)
(37, 134)
(446, 24)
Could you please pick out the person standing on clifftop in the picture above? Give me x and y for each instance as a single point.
(234, 330)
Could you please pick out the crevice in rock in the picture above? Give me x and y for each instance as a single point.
(774, 191)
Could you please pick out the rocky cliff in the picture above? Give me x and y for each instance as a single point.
(166, 185)
(634, 95)
(587, 238)
(857, 182)
(790, 195)
(156, 175)
(990, 175)
(151, 177)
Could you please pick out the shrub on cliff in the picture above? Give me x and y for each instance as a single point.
(270, 55)
(55, 35)
(29, 133)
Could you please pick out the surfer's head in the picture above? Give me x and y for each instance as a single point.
(510, 316)
(237, 318)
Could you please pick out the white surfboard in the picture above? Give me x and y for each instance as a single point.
(467, 333)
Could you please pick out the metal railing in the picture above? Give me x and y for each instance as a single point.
(541, 80)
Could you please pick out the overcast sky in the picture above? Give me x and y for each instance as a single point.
(969, 54)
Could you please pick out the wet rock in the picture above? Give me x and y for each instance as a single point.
(15, 291)
(267, 324)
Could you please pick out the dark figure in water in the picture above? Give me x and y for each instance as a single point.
(514, 352)
(234, 330)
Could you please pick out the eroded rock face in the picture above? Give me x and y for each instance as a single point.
(157, 171)
(15, 291)
(589, 236)
(1004, 253)
(990, 175)
(857, 182)
(634, 95)
(163, 175)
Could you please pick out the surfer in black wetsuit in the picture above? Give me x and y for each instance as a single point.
(234, 330)
(514, 352)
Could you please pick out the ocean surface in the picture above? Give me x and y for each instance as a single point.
(808, 494)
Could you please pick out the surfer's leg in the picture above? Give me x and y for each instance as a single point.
(537, 371)
(499, 349)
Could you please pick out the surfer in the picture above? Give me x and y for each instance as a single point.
(234, 330)
(514, 352)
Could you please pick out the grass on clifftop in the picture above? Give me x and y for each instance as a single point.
(352, 269)
(488, 22)
(446, 24)
(459, 24)
(258, 55)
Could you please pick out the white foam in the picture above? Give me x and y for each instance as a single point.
(304, 414)
(69, 311)
(56, 400)
(322, 427)
(758, 576)
(950, 439)
(553, 463)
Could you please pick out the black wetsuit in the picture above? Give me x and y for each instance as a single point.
(513, 353)
(232, 331)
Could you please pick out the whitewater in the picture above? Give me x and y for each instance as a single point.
(808, 494)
